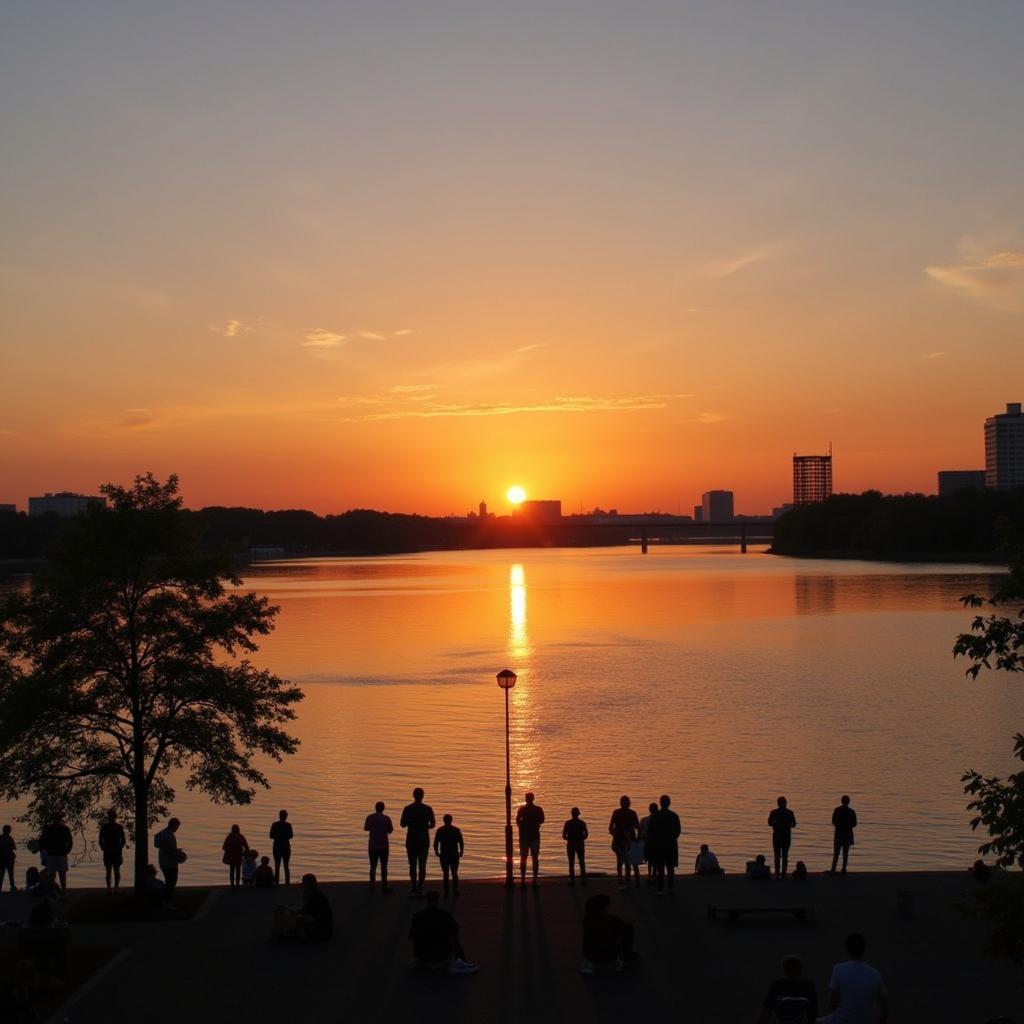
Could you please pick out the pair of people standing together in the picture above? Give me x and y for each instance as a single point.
(782, 821)
(655, 839)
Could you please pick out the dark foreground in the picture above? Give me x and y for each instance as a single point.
(222, 966)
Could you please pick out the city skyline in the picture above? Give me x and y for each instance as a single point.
(620, 256)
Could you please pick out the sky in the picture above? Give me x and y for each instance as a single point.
(403, 255)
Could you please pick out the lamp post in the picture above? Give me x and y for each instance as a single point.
(506, 680)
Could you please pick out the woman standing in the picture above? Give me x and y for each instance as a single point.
(234, 848)
(625, 830)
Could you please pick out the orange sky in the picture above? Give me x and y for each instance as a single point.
(404, 260)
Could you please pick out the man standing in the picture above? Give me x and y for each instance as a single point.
(56, 842)
(782, 821)
(575, 834)
(449, 847)
(417, 819)
(856, 993)
(844, 821)
(282, 833)
(379, 827)
(665, 835)
(529, 819)
(112, 842)
(170, 857)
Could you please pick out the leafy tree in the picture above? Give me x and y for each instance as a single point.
(997, 641)
(126, 661)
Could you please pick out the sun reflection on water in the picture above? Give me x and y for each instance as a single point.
(525, 748)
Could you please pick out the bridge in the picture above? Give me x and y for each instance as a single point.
(649, 530)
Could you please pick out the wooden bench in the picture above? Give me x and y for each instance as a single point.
(735, 913)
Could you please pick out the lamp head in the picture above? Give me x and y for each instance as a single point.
(506, 679)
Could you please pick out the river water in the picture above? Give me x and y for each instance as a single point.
(719, 678)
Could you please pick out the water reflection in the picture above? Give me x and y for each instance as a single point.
(525, 745)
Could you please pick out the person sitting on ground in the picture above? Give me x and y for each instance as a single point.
(607, 939)
(156, 891)
(8, 854)
(575, 834)
(980, 871)
(45, 885)
(449, 847)
(435, 940)
(313, 921)
(800, 872)
(856, 992)
(706, 862)
(250, 862)
(791, 999)
(758, 867)
(31, 877)
(264, 875)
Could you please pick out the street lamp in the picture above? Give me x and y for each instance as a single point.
(506, 680)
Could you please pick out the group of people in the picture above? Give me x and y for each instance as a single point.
(652, 840)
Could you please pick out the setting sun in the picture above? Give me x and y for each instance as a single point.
(516, 495)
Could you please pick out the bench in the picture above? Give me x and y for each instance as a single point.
(735, 913)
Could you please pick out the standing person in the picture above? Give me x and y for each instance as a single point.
(282, 833)
(379, 827)
(56, 842)
(666, 832)
(234, 848)
(624, 829)
(856, 992)
(782, 821)
(649, 847)
(844, 821)
(8, 854)
(417, 820)
(449, 847)
(170, 857)
(529, 819)
(112, 842)
(575, 834)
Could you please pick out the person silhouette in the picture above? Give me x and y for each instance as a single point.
(282, 833)
(706, 862)
(379, 826)
(435, 940)
(449, 847)
(8, 855)
(417, 820)
(792, 998)
(664, 837)
(844, 821)
(782, 821)
(624, 829)
(650, 849)
(112, 842)
(856, 991)
(575, 834)
(606, 937)
(529, 819)
(234, 848)
(170, 857)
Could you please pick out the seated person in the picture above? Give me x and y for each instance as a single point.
(980, 871)
(758, 867)
(45, 887)
(156, 892)
(792, 998)
(313, 921)
(435, 940)
(606, 937)
(250, 864)
(707, 862)
(264, 874)
(800, 872)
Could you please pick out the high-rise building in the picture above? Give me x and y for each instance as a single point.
(8, 508)
(953, 480)
(483, 509)
(717, 506)
(698, 513)
(541, 511)
(62, 503)
(1004, 449)
(812, 478)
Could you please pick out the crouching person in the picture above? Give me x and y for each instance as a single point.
(607, 939)
(313, 921)
(435, 940)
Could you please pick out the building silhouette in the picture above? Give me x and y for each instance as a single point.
(812, 478)
(953, 480)
(541, 511)
(8, 508)
(717, 506)
(698, 513)
(62, 503)
(1004, 449)
(483, 509)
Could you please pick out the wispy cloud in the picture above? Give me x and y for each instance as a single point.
(719, 269)
(523, 349)
(711, 417)
(562, 404)
(320, 337)
(403, 332)
(137, 418)
(372, 335)
(234, 328)
(991, 275)
(933, 355)
(412, 389)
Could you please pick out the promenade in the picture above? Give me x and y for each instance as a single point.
(222, 966)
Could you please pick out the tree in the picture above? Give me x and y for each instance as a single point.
(126, 661)
(997, 641)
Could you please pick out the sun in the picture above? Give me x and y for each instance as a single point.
(516, 495)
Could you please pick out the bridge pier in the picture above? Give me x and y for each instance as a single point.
(643, 542)
(743, 539)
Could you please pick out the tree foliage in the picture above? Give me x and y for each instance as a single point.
(997, 642)
(127, 661)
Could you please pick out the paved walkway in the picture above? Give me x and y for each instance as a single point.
(223, 967)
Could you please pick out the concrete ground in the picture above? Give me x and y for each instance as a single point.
(222, 966)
